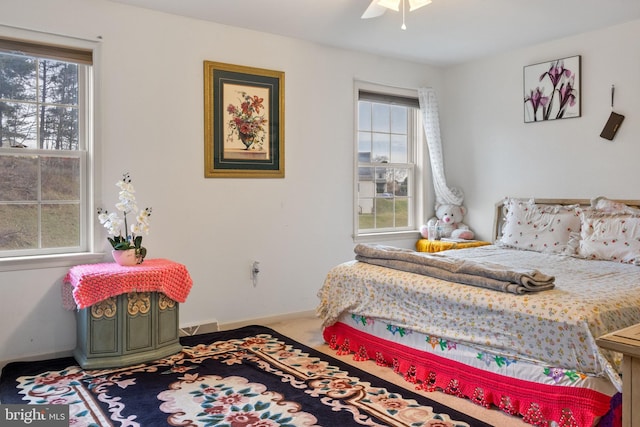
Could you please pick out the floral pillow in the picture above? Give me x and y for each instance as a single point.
(610, 236)
(541, 228)
(607, 205)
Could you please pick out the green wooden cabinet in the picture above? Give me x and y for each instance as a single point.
(127, 329)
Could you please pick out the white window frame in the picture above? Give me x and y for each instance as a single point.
(420, 171)
(86, 252)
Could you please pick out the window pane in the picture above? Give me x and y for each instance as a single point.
(364, 116)
(381, 118)
(58, 82)
(384, 213)
(366, 187)
(382, 178)
(398, 119)
(365, 175)
(399, 149)
(60, 130)
(18, 227)
(17, 77)
(365, 217)
(18, 126)
(61, 178)
(380, 147)
(364, 143)
(60, 225)
(18, 178)
(401, 212)
(52, 121)
(401, 181)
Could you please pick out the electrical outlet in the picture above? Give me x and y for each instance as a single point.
(255, 269)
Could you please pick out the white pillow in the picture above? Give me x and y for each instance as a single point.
(607, 205)
(541, 228)
(610, 236)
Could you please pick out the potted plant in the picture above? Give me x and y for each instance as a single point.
(127, 247)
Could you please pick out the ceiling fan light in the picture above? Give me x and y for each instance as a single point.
(416, 4)
(390, 4)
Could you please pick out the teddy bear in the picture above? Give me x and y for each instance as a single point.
(448, 221)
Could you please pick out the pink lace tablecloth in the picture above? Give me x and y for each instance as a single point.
(85, 285)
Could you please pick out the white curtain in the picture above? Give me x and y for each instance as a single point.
(431, 123)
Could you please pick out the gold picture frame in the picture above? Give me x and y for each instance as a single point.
(243, 122)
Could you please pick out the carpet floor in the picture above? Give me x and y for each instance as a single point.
(251, 376)
(306, 328)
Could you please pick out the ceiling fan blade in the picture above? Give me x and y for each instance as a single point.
(417, 4)
(374, 10)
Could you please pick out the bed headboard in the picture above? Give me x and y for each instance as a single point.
(499, 209)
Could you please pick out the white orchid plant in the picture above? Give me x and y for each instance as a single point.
(115, 224)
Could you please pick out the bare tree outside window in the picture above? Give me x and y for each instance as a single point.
(41, 155)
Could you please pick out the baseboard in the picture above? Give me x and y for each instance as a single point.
(266, 321)
(38, 357)
(192, 329)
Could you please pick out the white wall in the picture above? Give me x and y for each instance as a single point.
(151, 124)
(491, 153)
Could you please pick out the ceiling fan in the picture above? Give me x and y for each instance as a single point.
(379, 7)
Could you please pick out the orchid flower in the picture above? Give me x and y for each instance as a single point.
(116, 225)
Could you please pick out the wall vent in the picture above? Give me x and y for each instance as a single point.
(199, 329)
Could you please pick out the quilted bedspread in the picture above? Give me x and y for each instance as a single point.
(557, 327)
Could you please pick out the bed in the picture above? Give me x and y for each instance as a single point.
(529, 352)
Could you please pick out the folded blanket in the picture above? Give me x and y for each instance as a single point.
(487, 275)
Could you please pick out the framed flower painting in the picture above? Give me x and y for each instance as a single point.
(552, 90)
(244, 122)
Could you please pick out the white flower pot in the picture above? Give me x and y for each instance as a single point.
(125, 258)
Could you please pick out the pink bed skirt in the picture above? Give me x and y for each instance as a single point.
(538, 404)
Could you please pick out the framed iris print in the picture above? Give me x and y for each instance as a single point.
(244, 122)
(552, 90)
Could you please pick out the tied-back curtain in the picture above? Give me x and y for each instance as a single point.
(431, 123)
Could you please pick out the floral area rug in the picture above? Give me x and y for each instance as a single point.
(250, 376)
